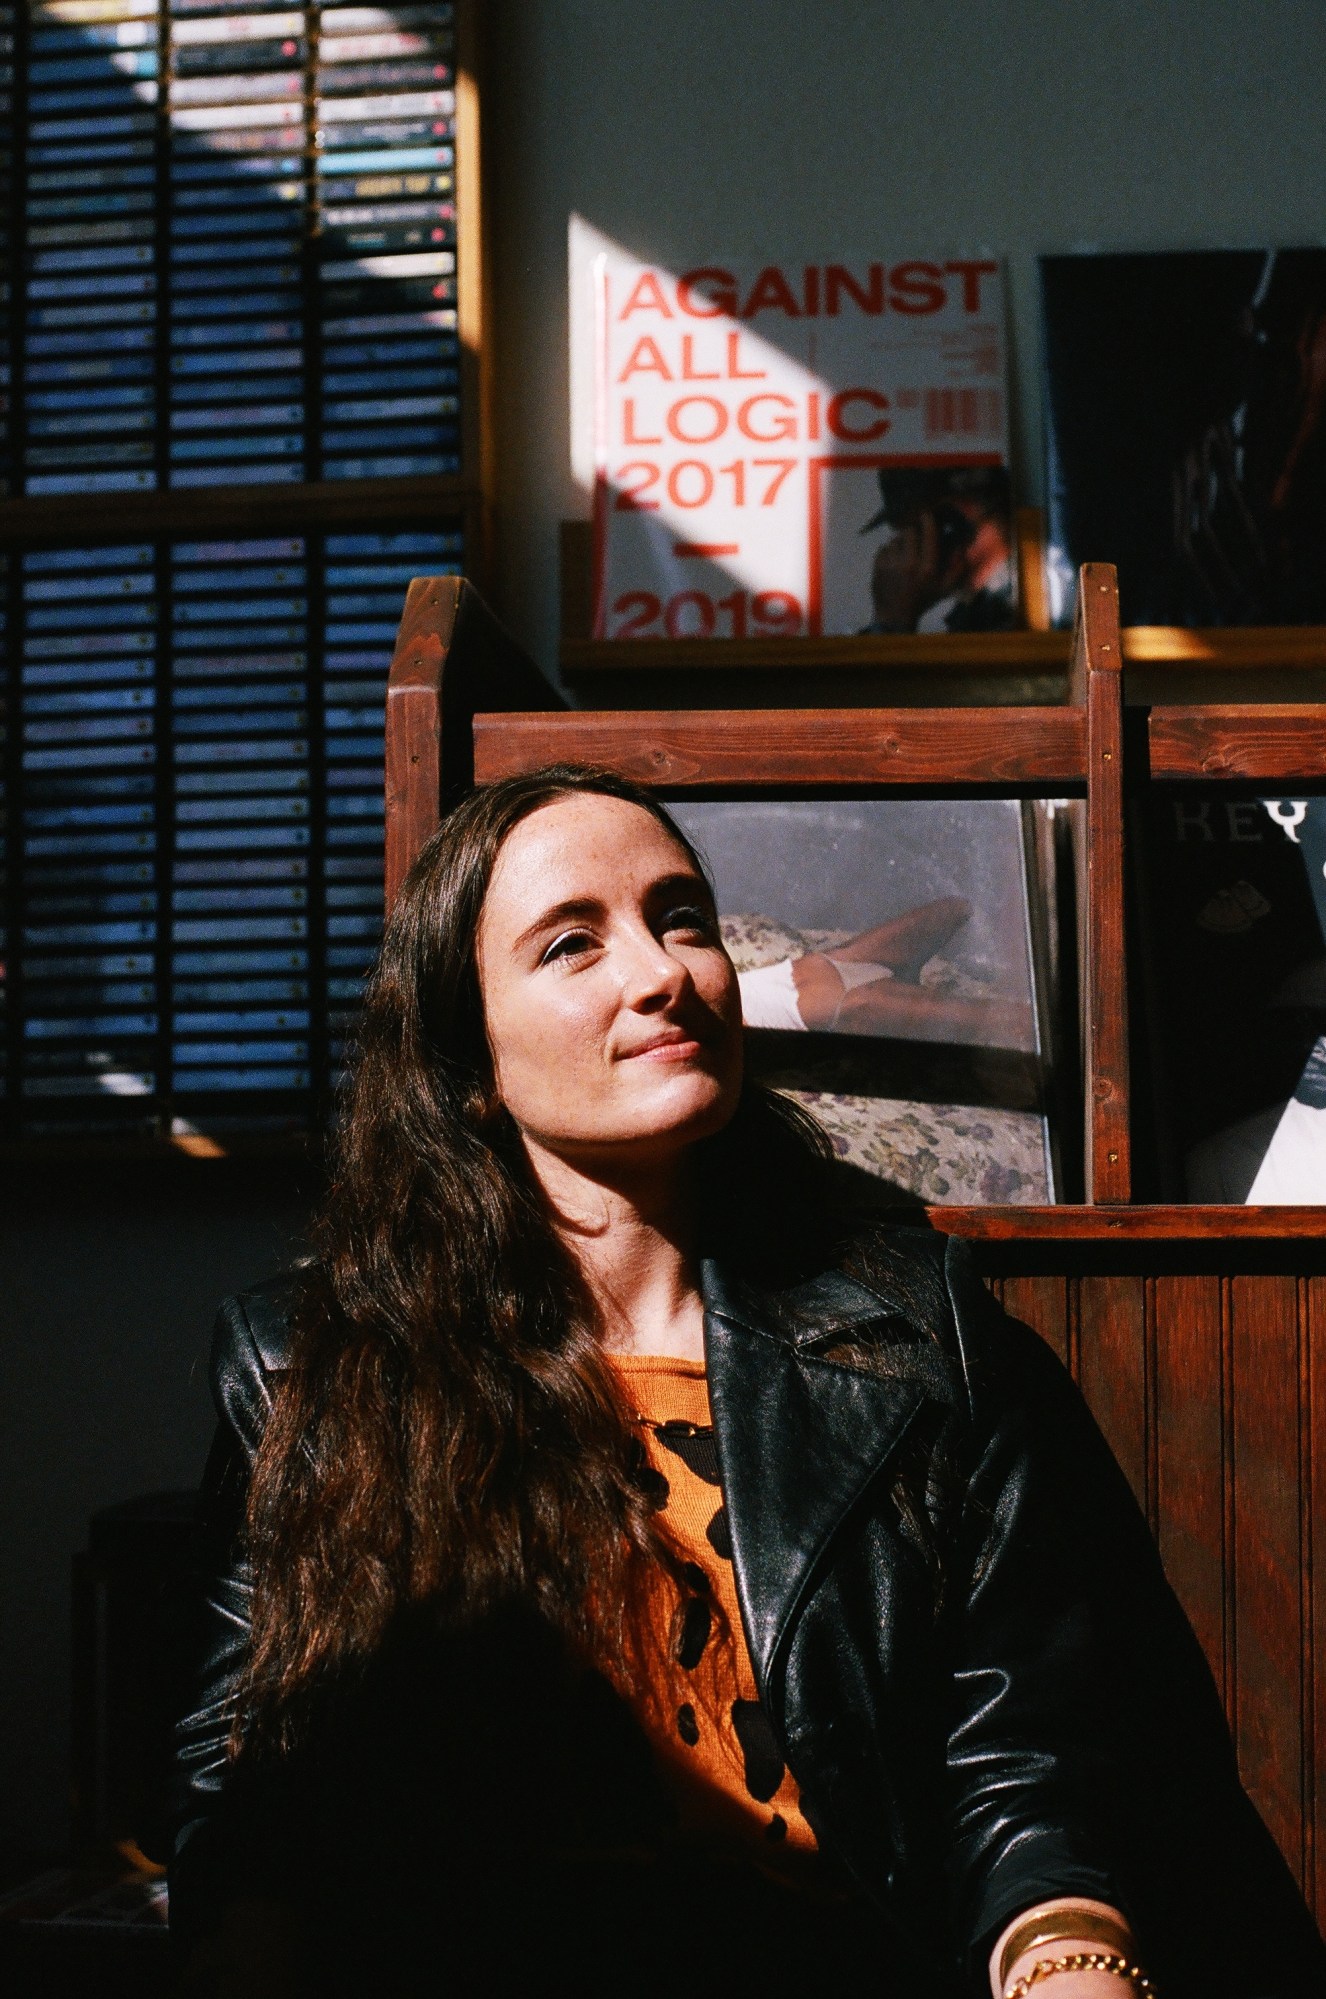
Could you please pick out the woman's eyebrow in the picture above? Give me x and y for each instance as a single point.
(560, 912)
(683, 882)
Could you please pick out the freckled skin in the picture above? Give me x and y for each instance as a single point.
(612, 1008)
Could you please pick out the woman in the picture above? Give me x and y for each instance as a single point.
(629, 1568)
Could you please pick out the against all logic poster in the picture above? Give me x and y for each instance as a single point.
(784, 449)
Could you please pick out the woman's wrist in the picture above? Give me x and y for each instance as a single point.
(1071, 1947)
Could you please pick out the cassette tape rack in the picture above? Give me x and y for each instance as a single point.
(245, 361)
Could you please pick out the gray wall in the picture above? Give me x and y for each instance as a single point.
(856, 127)
(673, 125)
(110, 1283)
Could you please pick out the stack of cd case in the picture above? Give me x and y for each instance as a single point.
(386, 237)
(240, 848)
(4, 848)
(6, 245)
(193, 865)
(87, 832)
(366, 576)
(237, 243)
(89, 265)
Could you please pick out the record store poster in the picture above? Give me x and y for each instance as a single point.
(784, 449)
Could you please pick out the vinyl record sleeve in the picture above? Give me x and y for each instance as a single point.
(1233, 913)
(1186, 440)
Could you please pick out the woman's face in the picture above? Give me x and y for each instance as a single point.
(612, 1008)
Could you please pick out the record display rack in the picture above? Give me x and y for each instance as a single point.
(246, 366)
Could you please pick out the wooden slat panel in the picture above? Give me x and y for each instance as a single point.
(1284, 744)
(1112, 1368)
(1141, 1223)
(715, 749)
(1190, 1484)
(1314, 1660)
(1225, 645)
(1042, 1304)
(1096, 680)
(1268, 1634)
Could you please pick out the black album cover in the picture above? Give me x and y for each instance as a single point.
(1185, 398)
(1233, 915)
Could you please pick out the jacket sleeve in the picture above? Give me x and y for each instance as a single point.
(211, 1861)
(1087, 1747)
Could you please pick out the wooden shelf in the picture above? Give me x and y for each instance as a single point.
(327, 503)
(1158, 1223)
(1234, 649)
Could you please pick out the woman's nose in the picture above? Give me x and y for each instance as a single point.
(652, 977)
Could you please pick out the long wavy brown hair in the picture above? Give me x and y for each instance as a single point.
(449, 1431)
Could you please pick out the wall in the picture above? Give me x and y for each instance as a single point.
(685, 128)
(678, 126)
(110, 1283)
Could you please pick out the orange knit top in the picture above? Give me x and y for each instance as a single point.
(693, 1691)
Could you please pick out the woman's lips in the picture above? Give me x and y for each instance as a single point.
(666, 1048)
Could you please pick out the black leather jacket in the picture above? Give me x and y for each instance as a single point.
(1027, 1716)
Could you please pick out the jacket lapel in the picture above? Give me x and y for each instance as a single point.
(799, 1440)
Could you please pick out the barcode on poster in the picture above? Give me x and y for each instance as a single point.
(963, 412)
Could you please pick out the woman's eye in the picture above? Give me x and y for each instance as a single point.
(571, 944)
(693, 917)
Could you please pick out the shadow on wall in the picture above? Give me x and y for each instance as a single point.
(111, 1285)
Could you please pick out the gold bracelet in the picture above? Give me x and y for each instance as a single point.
(1070, 1923)
(1082, 1960)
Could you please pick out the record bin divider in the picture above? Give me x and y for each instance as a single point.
(1197, 1334)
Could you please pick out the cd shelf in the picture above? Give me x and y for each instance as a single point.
(195, 882)
(244, 348)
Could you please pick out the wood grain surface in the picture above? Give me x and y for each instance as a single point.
(716, 749)
(1278, 743)
(413, 749)
(1096, 683)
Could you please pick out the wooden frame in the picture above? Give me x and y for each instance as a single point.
(1198, 1335)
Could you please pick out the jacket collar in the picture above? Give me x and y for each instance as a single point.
(799, 1438)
